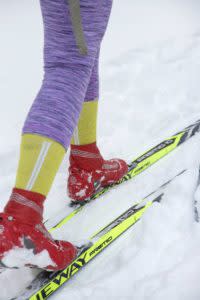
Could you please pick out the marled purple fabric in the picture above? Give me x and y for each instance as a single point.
(93, 86)
(69, 78)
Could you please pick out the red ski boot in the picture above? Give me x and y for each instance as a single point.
(89, 171)
(24, 241)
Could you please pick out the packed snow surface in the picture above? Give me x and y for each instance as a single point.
(150, 90)
(22, 257)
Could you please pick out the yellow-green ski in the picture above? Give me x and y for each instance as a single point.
(47, 283)
(139, 165)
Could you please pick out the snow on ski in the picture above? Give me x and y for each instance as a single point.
(136, 167)
(47, 283)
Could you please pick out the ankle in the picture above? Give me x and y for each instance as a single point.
(87, 157)
(25, 206)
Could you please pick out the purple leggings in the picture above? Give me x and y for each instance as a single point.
(70, 78)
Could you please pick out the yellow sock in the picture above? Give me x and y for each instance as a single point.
(40, 158)
(86, 131)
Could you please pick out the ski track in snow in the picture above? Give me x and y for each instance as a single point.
(150, 93)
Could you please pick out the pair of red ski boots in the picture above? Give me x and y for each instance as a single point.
(24, 241)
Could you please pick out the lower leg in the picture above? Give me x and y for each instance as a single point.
(22, 219)
(88, 169)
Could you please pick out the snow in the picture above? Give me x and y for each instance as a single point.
(81, 193)
(22, 257)
(150, 90)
